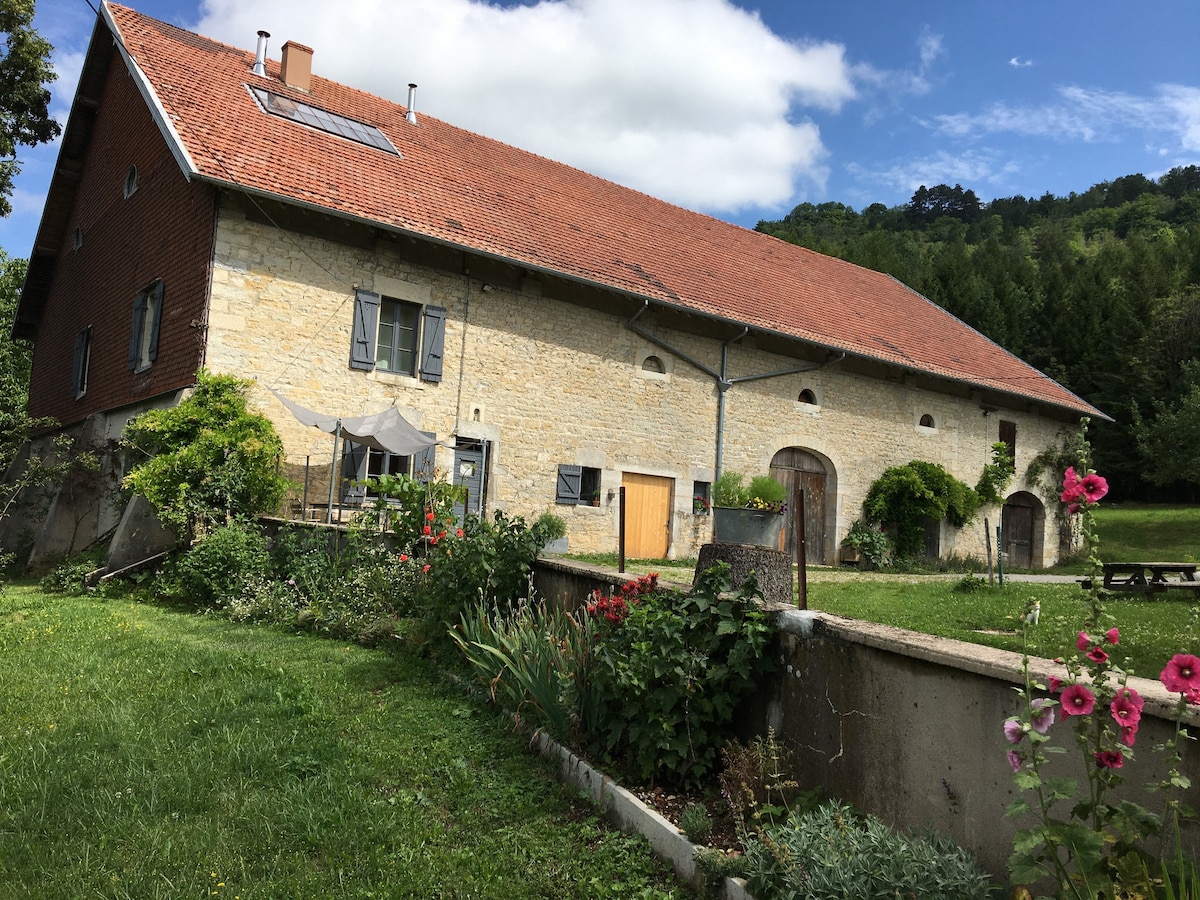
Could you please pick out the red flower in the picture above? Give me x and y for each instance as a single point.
(1126, 707)
(1128, 734)
(1072, 486)
(458, 533)
(429, 516)
(1076, 700)
(1110, 759)
(441, 534)
(1083, 641)
(1055, 684)
(1093, 487)
(1097, 655)
(426, 530)
(1113, 636)
(1182, 674)
(403, 557)
(425, 569)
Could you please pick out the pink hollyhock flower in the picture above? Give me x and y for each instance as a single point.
(1072, 490)
(1192, 696)
(1076, 700)
(1097, 655)
(1110, 759)
(1055, 683)
(1182, 674)
(1128, 734)
(1126, 707)
(1113, 636)
(1041, 715)
(1083, 641)
(1073, 508)
(1093, 487)
(1015, 758)
(1014, 731)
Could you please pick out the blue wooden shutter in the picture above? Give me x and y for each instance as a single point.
(423, 461)
(354, 468)
(157, 300)
(366, 327)
(135, 330)
(570, 479)
(83, 342)
(433, 340)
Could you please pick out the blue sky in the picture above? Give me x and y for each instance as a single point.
(742, 109)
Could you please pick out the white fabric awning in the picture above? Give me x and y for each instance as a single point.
(387, 430)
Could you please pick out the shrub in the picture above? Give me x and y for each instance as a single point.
(68, 577)
(872, 543)
(211, 571)
(206, 459)
(833, 852)
(670, 673)
(696, 823)
(904, 497)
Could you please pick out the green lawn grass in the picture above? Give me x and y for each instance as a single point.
(1145, 533)
(152, 753)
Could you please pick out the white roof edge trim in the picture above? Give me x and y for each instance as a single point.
(157, 110)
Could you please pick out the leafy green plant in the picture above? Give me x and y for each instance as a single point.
(872, 543)
(206, 460)
(996, 476)
(534, 661)
(904, 497)
(412, 509)
(695, 823)
(211, 570)
(551, 527)
(730, 490)
(671, 671)
(833, 852)
(755, 782)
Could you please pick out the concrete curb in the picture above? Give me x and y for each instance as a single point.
(631, 815)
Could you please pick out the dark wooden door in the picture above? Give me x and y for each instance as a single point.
(1016, 524)
(796, 468)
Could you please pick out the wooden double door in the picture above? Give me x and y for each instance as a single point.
(798, 469)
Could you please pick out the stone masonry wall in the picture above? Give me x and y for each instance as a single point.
(548, 382)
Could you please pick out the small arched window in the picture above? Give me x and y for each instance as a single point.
(927, 421)
(653, 364)
(131, 181)
(807, 396)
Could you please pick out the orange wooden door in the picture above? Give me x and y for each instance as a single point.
(647, 515)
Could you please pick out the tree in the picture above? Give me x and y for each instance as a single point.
(207, 460)
(1168, 443)
(24, 100)
(15, 359)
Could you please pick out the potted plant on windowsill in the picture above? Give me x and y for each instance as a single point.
(748, 513)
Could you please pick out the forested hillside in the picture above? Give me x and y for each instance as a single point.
(1100, 290)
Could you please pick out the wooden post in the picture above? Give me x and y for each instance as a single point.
(801, 551)
(987, 543)
(621, 532)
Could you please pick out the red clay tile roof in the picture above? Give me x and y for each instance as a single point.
(455, 186)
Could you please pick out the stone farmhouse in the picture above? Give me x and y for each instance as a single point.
(561, 336)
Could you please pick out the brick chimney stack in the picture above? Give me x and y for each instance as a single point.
(296, 69)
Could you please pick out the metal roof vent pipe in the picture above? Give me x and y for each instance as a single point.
(411, 118)
(260, 54)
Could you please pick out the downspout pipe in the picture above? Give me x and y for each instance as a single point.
(723, 385)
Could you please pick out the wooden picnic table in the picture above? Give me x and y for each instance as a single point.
(1150, 576)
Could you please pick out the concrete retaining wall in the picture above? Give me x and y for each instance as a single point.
(909, 727)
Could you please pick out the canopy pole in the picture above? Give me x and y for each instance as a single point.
(337, 433)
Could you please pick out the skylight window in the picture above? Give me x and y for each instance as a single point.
(331, 123)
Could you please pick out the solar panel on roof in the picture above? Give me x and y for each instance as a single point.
(329, 122)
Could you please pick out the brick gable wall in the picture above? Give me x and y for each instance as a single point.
(164, 230)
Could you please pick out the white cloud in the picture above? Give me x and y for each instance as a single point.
(694, 101)
(968, 169)
(1018, 63)
(1087, 115)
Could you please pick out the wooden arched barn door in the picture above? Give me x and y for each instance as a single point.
(795, 467)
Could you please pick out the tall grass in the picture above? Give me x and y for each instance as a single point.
(149, 753)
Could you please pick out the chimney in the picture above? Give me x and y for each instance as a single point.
(411, 118)
(260, 54)
(296, 69)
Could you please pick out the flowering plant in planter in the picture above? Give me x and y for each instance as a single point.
(762, 492)
(1096, 848)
